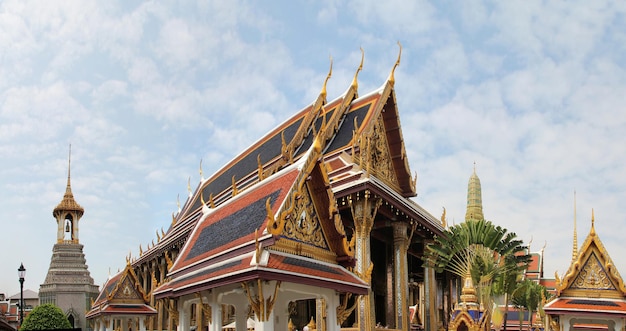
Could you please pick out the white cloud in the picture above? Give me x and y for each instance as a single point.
(530, 91)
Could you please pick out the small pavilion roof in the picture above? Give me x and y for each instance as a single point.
(121, 295)
(592, 284)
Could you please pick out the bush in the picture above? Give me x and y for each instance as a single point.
(46, 317)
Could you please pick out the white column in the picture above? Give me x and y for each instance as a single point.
(241, 320)
(216, 317)
(183, 315)
(331, 313)
(265, 325)
(142, 327)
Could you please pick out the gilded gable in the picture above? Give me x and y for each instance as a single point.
(304, 224)
(374, 156)
(592, 276)
(126, 290)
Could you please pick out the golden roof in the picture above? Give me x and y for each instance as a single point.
(68, 203)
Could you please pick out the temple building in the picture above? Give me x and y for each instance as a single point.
(313, 225)
(122, 305)
(68, 283)
(591, 295)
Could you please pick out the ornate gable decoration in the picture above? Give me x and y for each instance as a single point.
(374, 155)
(304, 225)
(127, 289)
(592, 276)
(593, 273)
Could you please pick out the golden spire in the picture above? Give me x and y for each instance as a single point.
(575, 245)
(474, 198)
(593, 220)
(392, 79)
(68, 203)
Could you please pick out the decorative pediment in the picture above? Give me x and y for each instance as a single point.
(127, 289)
(592, 276)
(304, 223)
(374, 156)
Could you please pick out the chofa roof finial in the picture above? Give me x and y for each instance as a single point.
(355, 83)
(392, 79)
(330, 72)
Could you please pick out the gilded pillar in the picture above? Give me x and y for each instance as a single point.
(200, 316)
(401, 279)
(320, 314)
(159, 316)
(364, 208)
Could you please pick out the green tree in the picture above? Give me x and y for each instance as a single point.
(528, 296)
(478, 247)
(505, 285)
(46, 317)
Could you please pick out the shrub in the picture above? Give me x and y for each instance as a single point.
(46, 317)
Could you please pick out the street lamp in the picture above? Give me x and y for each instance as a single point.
(21, 272)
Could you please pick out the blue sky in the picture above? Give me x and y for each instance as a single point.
(532, 91)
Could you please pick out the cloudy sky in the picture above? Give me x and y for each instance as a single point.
(532, 91)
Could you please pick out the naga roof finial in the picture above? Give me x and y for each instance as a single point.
(355, 83)
(392, 79)
(201, 172)
(330, 73)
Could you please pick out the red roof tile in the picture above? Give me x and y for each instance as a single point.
(584, 305)
(280, 266)
(234, 223)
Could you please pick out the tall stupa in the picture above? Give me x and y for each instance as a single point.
(474, 209)
(68, 283)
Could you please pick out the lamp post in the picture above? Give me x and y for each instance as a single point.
(21, 272)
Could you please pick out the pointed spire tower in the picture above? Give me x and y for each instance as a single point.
(68, 283)
(68, 212)
(474, 198)
(575, 245)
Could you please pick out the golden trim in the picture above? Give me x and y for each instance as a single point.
(261, 306)
(303, 249)
(259, 167)
(343, 312)
(235, 191)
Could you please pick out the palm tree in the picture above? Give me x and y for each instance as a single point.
(484, 250)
